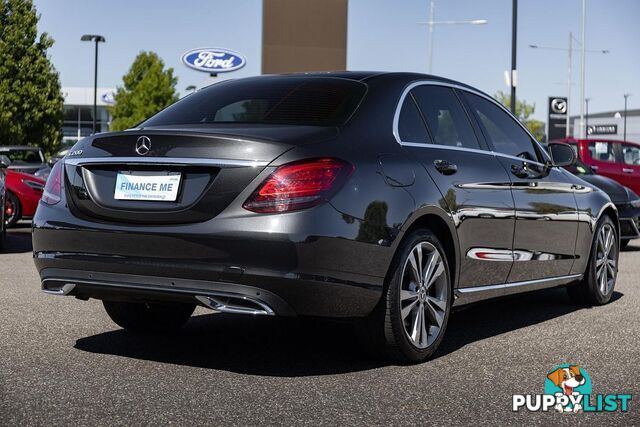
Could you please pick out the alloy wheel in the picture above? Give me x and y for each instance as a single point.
(9, 210)
(424, 295)
(606, 259)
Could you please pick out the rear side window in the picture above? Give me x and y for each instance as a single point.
(24, 156)
(321, 101)
(631, 154)
(602, 151)
(505, 134)
(447, 121)
(410, 125)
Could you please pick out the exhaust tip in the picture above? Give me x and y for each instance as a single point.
(54, 287)
(235, 305)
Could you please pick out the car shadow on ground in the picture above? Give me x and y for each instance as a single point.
(303, 347)
(18, 239)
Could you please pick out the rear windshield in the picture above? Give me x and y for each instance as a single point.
(274, 100)
(24, 156)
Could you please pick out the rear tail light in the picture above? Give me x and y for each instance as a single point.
(53, 187)
(299, 185)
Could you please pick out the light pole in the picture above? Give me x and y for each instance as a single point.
(624, 126)
(586, 117)
(432, 22)
(97, 38)
(514, 36)
(569, 68)
(582, 59)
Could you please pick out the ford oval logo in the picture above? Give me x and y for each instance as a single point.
(213, 60)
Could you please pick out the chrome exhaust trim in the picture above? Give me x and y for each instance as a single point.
(64, 290)
(235, 305)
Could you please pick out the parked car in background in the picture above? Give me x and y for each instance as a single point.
(23, 191)
(4, 164)
(63, 151)
(27, 159)
(381, 198)
(618, 160)
(625, 199)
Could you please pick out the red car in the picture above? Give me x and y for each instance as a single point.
(23, 193)
(618, 160)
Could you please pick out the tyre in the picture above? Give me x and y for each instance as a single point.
(409, 323)
(149, 317)
(599, 280)
(12, 210)
(624, 243)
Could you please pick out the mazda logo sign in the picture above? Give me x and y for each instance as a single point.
(559, 106)
(143, 145)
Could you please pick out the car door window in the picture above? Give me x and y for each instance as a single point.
(504, 133)
(411, 128)
(631, 154)
(445, 116)
(602, 151)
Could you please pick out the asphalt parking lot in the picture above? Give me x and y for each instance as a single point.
(63, 362)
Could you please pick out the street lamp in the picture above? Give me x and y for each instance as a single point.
(432, 22)
(626, 95)
(97, 39)
(569, 51)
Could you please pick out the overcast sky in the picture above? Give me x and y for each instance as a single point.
(383, 35)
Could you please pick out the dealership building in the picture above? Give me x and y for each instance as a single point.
(78, 112)
(610, 125)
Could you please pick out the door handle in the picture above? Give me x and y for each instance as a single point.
(521, 171)
(445, 167)
(627, 170)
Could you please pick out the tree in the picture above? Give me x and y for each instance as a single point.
(148, 88)
(523, 112)
(31, 100)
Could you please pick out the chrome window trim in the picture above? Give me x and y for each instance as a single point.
(185, 161)
(396, 119)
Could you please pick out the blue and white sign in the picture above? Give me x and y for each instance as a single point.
(108, 98)
(213, 60)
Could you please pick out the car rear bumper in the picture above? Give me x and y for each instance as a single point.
(304, 263)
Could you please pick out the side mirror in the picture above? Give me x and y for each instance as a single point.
(562, 154)
(4, 161)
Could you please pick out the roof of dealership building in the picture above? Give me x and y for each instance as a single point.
(610, 114)
(84, 95)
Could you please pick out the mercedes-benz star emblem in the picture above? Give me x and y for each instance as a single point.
(143, 145)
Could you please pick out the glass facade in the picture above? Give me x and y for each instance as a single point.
(78, 121)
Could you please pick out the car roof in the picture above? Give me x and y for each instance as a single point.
(371, 75)
(595, 139)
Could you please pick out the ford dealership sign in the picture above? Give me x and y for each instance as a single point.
(213, 60)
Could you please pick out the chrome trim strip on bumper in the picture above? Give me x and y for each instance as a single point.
(210, 299)
(183, 161)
